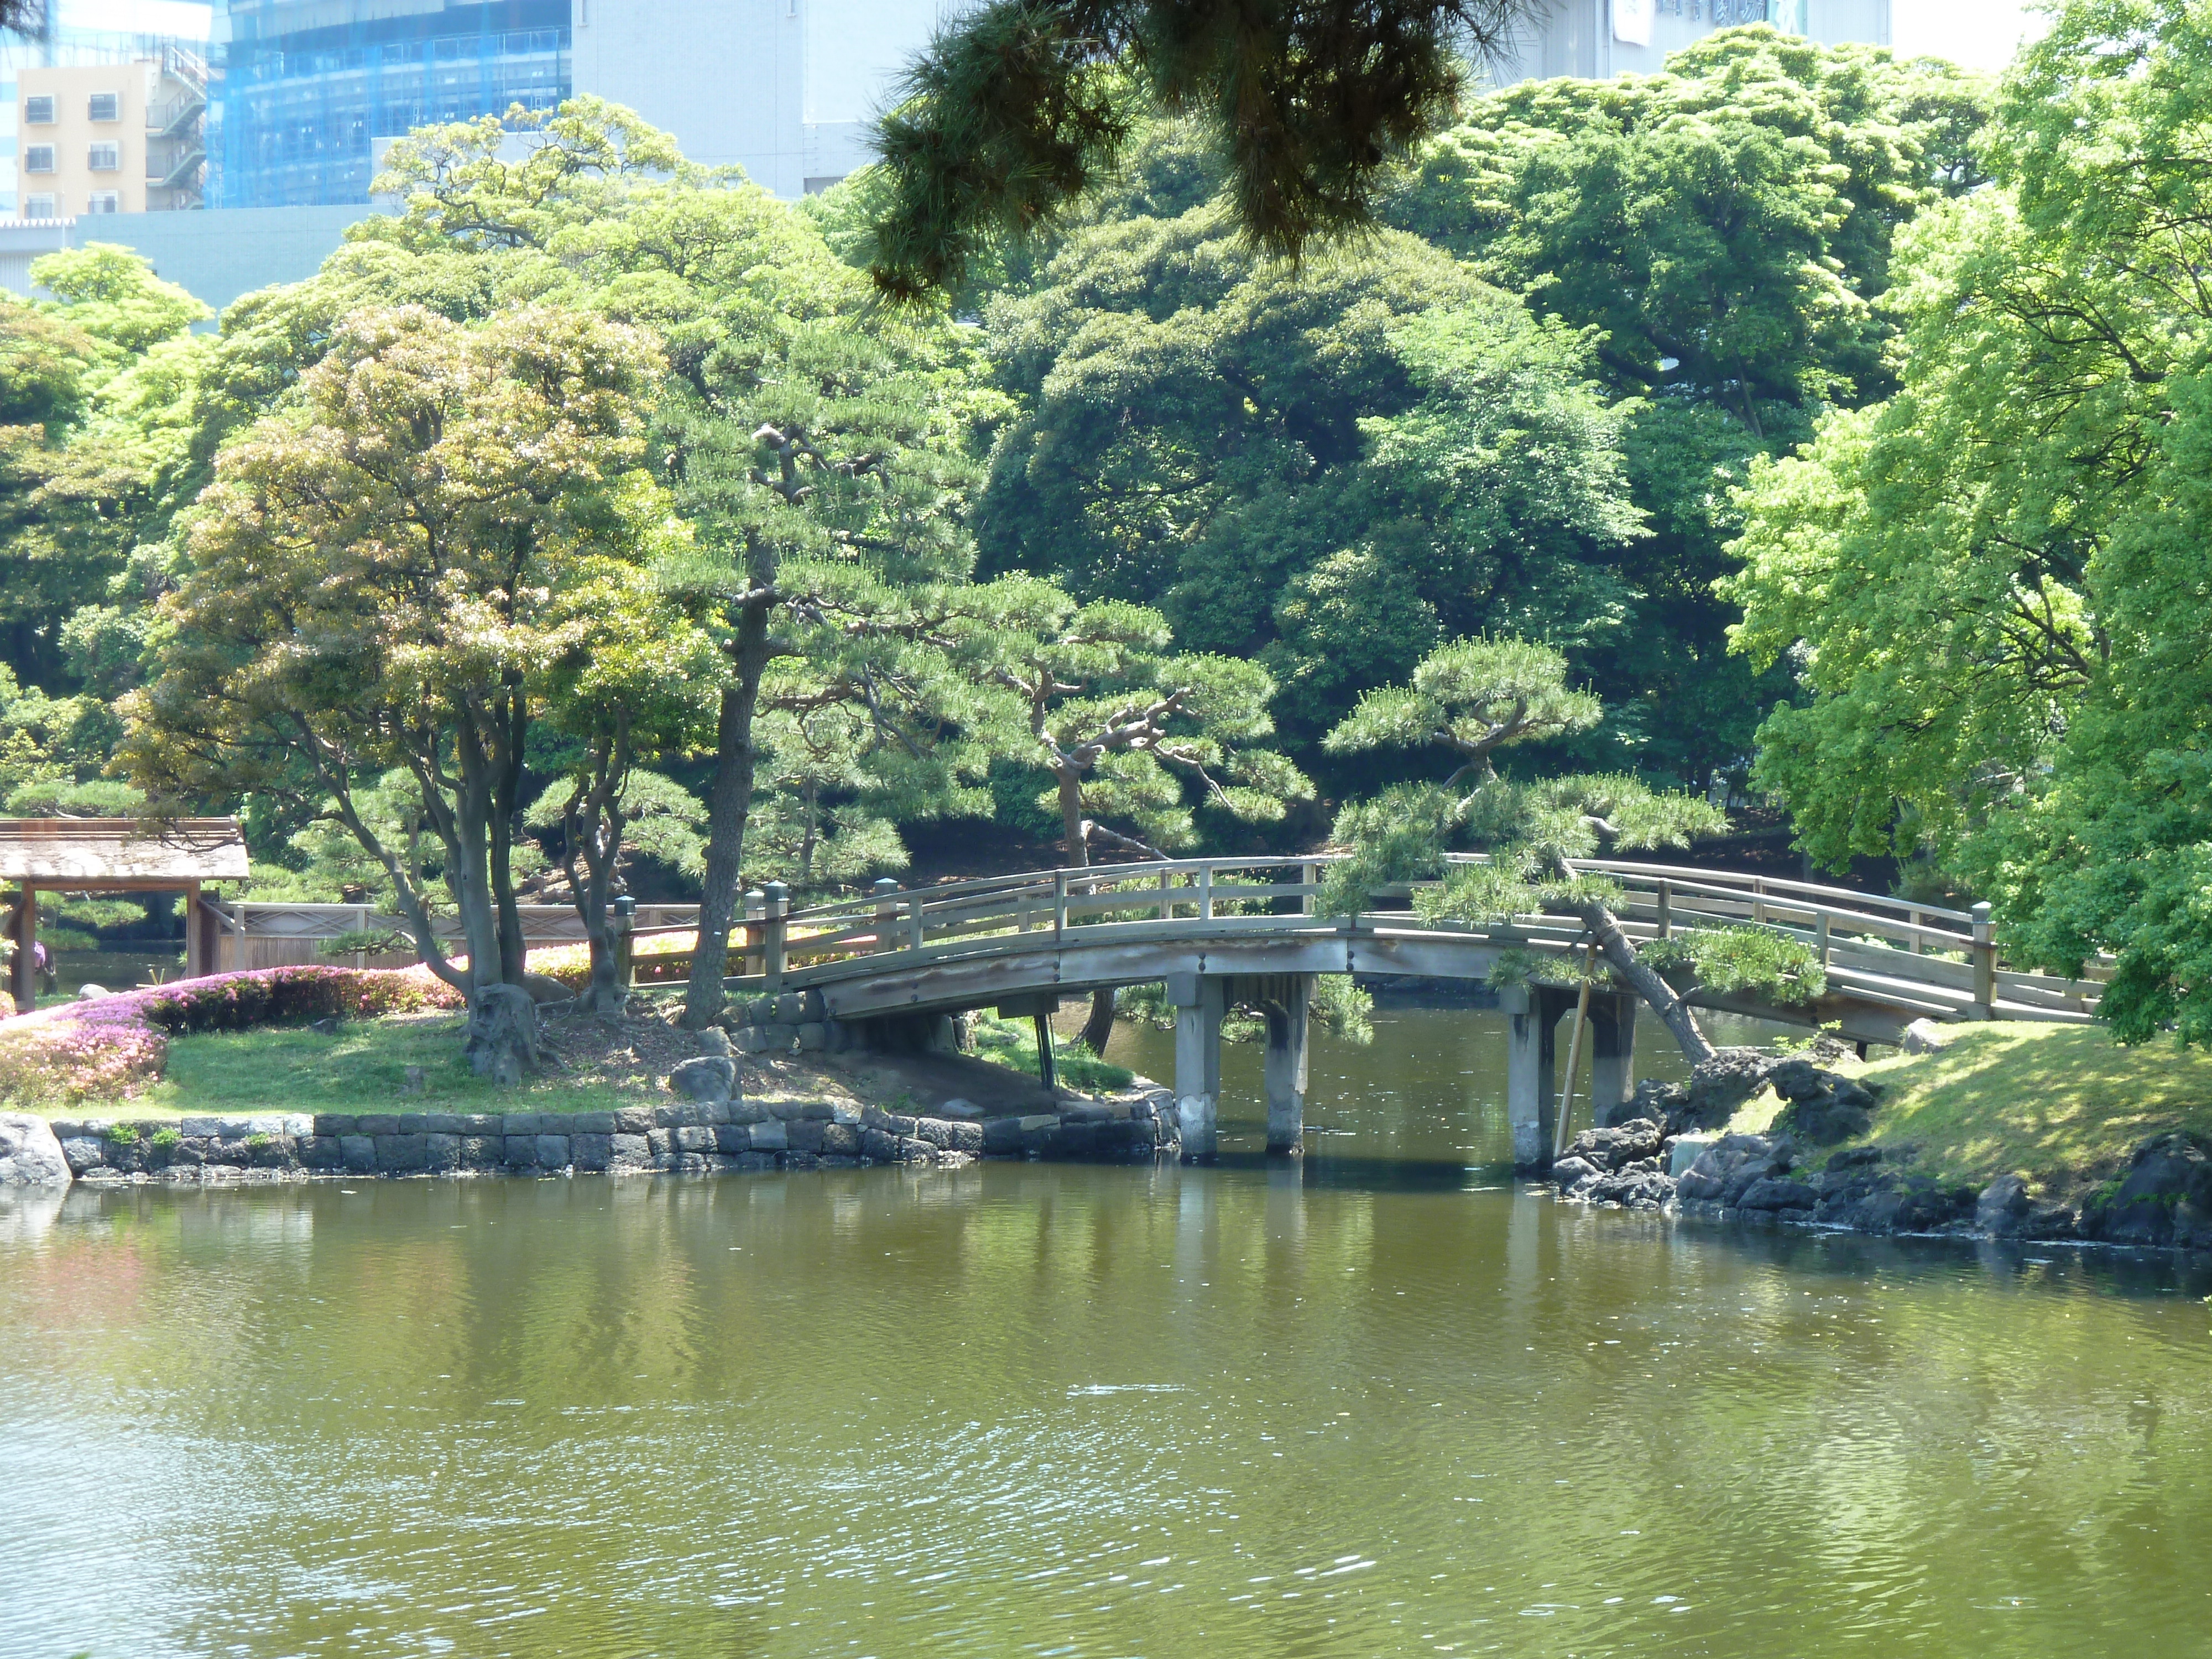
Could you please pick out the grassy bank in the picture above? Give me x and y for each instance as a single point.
(2036, 1100)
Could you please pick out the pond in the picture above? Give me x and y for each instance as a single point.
(1393, 1402)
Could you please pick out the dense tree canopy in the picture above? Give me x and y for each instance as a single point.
(1996, 582)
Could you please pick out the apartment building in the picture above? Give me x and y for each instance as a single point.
(117, 137)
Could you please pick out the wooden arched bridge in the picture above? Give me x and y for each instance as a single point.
(1221, 932)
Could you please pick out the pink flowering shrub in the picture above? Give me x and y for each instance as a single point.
(113, 1048)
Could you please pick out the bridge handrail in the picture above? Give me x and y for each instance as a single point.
(1044, 880)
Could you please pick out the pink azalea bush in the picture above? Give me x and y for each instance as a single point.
(113, 1048)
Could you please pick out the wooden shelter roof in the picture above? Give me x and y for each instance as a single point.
(121, 853)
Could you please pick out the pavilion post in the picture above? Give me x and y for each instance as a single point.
(195, 944)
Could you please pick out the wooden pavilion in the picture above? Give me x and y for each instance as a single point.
(117, 855)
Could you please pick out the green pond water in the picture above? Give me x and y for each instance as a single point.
(1387, 1403)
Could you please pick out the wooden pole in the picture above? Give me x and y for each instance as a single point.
(1574, 1054)
(23, 973)
(1048, 1068)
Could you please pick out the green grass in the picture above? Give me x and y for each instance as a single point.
(360, 1068)
(1013, 1045)
(2037, 1100)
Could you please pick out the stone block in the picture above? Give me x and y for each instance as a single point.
(377, 1124)
(749, 1040)
(747, 1111)
(966, 1138)
(671, 1117)
(714, 1040)
(879, 1146)
(480, 1123)
(732, 1138)
(397, 1154)
(316, 1153)
(552, 1152)
(704, 1078)
(916, 1152)
(760, 1011)
(813, 1037)
(229, 1128)
(780, 1035)
(805, 1135)
(628, 1151)
(512, 1124)
(84, 1152)
(814, 1111)
(271, 1151)
(442, 1152)
(413, 1123)
(482, 1152)
(520, 1151)
(754, 1161)
(206, 1128)
(31, 1153)
(296, 1124)
(790, 1009)
(1002, 1134)
(69, 1128)
(1033, 1122)
(841, 1141)
(693, 1137)
(633, 1120)
(591, 1123)
(444, 1123)
(192, 1153)
(769, 1137)
(890, 1123)
(933, 1131)
(590, 1152)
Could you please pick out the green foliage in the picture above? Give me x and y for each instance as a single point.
(1472, 697)
(1019, 107)
(1995, 583)
(1742, 959)
(1012, 1043)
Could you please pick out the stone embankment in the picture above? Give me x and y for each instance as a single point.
(1667, 1149)
(709, 1128)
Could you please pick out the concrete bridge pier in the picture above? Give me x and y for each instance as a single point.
(1613, 1051)
(1199, 1002)
(1534, 1013)
(1287, 1001)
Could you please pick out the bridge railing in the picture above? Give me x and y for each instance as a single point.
(1906, 951)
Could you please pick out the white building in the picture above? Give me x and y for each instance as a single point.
(1599, 39)
(785, 88)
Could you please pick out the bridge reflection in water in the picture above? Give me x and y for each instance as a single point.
(1219, 933)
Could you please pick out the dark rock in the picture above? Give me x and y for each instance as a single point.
(770, 1137)
(1002, 1134)
(841, 1141)
(662, 1141)
(84, 1152)
(482, 1152)
(1825, 1107)
(552, 1152)
(969, 1138)
(414, 1123)
(445, 1123)
(520, 1151)
(334, 1123)
(933, 1130)
(730, 1139)
(376, 1124)
(358, 1154)
(1640, 1186)
(591, 1152)
(2165, 1197)
(714, 1040)
(444, 1151)
(2002, 1205)
(316, 1153)
(1660, 1103)
(1570, 1173)
(591, 1123)
(628, 1151)
(1855, 1157)
(1769, 1193)
(512, 1124)
(1611, 1148)
(1718, 1086)
(693, 1138)
(633, 1120)
(708, 1078)
(879, 1146)
(806, 1135)
(891, 1123)
(402, 1154)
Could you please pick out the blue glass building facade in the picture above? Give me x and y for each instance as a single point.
(305, 89)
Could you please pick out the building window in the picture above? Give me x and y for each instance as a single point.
(39, 112)
(104, 158)
(104, 106)
(38, 158)
(104, 201)
(38, 207)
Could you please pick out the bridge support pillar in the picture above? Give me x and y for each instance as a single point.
(1286, 1011)
(1612, 1054)
(1199, 1002)
(1532, 1089)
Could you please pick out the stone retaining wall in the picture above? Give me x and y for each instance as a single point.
(693, 1137)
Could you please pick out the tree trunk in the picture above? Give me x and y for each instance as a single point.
(502, 1033)
(1099, 1025)
(728, 806)
(1619, 953)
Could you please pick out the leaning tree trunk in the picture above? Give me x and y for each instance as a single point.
(1099, 1026)
(1619, 953)
(729, 804)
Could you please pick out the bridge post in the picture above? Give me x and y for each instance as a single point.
(885, 893)
(1532, 1015)
(1612, 1056)
(1985, 961)
(1200, 1003)
(777, 902)
(1285, 1067)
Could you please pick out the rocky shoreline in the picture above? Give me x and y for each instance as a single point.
(1667, 1149)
